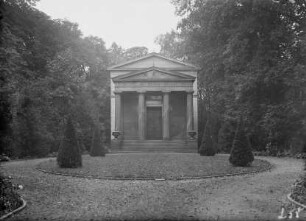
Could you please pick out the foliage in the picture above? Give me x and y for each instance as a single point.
(171, 45)
(10, 200)
(135, 52)
(241, 152)
(97, 146)
(299, 189)
(5, 117)
(47, 72)
(69, 154)
(226, 136)
(304, 148)
(253, 60)
(207, 146)
(117, 54)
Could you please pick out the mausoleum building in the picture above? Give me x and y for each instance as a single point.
(154, 105)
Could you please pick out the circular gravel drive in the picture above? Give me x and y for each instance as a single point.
(248, 197)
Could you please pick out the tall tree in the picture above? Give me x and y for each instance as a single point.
(135, 52)
(48, 70)
(253, 57)
(171, 45)
(115, 54)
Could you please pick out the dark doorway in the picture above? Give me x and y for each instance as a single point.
(154, 123)
(130, 116)
(178, 115)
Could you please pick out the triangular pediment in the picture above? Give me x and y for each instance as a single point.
(154, 60)
(154, 74)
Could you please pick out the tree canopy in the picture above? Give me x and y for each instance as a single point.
(252, 55)
(49, 70)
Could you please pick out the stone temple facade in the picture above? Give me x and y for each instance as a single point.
(154, 105)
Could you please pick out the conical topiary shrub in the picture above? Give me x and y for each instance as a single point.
(226, 136)
(207, 146)
(241, 153)
(97, 147)
(69, 154)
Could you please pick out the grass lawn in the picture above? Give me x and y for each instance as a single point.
(170, 166)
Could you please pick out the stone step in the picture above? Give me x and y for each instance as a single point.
(154, 150)
(156, 141)
(154, 145)
(179, 146)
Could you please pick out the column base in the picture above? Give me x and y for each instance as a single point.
(116, 144)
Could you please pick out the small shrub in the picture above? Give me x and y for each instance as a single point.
(260, 153)
(304, 148)
(226, 136)
(241, 153)
(4, 158)
(9, 199)
(272, 149)
(97, 147)
(300, 156)
(69, 154)
(207, 146)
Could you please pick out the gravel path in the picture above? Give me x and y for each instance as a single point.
(249, 197)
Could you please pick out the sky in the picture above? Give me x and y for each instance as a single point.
(129, 23)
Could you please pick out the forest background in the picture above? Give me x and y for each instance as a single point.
(252, 55)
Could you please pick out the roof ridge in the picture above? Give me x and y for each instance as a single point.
(152, 54)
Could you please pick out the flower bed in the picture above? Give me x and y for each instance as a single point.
(299, 191)
(9, 199)
(170, 166)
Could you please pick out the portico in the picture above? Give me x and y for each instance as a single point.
(154, 104)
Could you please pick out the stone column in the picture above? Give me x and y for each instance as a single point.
(166, 131)
(118, 111)
(141, 115)
(189, 111)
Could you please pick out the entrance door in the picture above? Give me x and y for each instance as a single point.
(154, 123)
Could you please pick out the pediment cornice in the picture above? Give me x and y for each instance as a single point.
(153, 74)
(152, 57)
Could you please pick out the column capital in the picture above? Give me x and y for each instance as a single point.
(118, 92)
(141, 91)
